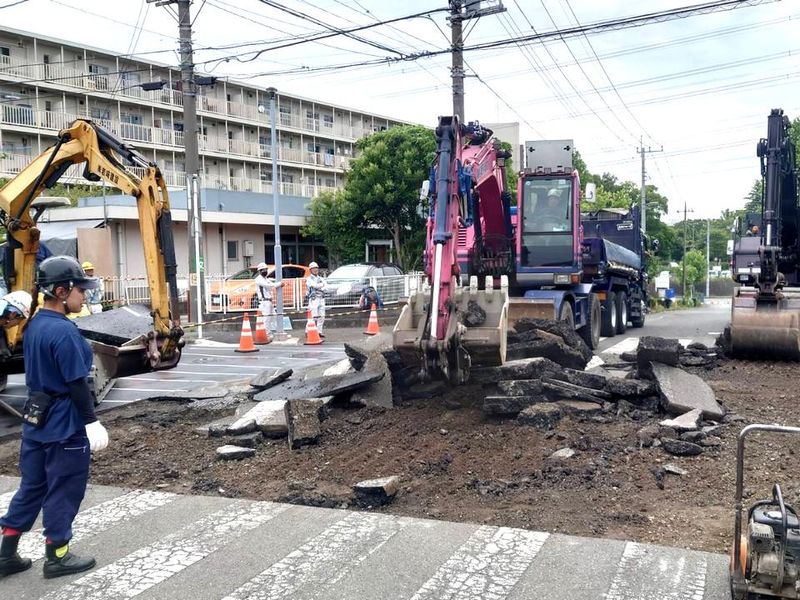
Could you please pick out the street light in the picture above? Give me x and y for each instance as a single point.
(272, 93)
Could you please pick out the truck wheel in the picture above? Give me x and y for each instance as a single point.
(609, 327)
(622, 312)
(591, 331)
(566, 314)
(639, 321)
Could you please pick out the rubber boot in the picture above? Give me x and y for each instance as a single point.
(10, 561)
(59, 561)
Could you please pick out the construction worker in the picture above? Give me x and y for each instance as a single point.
(60, 428)
(94, 298)
(15, 307)
(316, 286)
(264, 287)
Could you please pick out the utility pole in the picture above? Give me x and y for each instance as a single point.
(194, 224)
(643, 201)
(472, 10)
(684, 248)
(708, 255)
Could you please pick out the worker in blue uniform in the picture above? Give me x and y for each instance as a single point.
(60, 427)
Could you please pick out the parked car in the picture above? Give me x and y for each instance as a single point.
(238, 292)
(347, 281)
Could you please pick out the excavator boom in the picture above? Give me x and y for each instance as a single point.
(104, 158)
(445, 329)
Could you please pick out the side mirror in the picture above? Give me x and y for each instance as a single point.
(729, 249)
(735, 226)
(424, 191)
(590, 192)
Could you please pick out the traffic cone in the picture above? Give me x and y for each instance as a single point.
(312, 333)
(372, 325)
(246, 339)
(262, 335)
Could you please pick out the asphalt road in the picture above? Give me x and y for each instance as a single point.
(701, 324)
(204, 363)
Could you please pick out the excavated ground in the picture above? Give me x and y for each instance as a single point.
(456, 464)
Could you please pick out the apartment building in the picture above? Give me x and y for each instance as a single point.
(46, 83)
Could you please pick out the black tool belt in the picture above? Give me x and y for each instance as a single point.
(36, 408)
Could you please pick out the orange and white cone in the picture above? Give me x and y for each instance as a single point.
(312, 333)
(372, 326)
(262, 335)
(246, 339)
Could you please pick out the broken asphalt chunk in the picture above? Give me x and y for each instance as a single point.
(682, 392)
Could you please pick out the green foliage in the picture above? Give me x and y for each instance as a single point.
(511, 173)
(383, 186)
(332, 220)
(696, 269)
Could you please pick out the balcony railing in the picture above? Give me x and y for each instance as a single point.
(23, 116)
(60, 75)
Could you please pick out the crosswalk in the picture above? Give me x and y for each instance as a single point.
(155, 545)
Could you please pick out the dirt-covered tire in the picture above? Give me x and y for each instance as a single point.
(639, 321)
(591, 331)
(566, 313)
(609, 319)
(622, 312)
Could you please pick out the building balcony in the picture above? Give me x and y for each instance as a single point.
(12, 164)
(51, 122)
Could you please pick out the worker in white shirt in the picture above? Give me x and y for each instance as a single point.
(94, 298)
(316, 286)
(264, 287)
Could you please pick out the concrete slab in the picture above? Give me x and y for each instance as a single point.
(686, 422)
(682, 392)
(318, 387)
(529, 368)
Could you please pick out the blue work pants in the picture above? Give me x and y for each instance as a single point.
(54, 477)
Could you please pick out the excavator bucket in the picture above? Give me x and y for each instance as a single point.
(480, 325)
(759, 330)
(124, 344)
(530, 308)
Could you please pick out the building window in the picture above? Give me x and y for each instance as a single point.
(327, 121)
(233, 250)
(100, 114)
(98, 77)
(5, 55)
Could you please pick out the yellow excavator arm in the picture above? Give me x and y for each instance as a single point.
(104, 156)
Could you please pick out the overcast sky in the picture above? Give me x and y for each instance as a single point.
(701, 87)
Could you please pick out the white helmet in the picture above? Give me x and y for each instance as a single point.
(21, 301)
(553, 192)
(261, 266)
(313, 265)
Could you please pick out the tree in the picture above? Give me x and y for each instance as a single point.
(333, 219)
(383, 186)
(696, 269)
(511, 172)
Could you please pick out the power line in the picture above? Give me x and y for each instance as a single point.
(608, 77)
(13, 4)
(602, 26)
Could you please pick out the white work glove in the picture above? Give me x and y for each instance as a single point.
(98, 436)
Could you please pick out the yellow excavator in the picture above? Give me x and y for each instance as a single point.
(125, 341)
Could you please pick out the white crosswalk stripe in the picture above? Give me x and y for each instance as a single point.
(487, 567)
(672, 577)
(99, 518)
(323, 560)
(151, 565)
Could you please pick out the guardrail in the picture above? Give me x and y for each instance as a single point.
(239, 295)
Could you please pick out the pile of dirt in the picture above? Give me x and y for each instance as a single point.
(456, 463)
